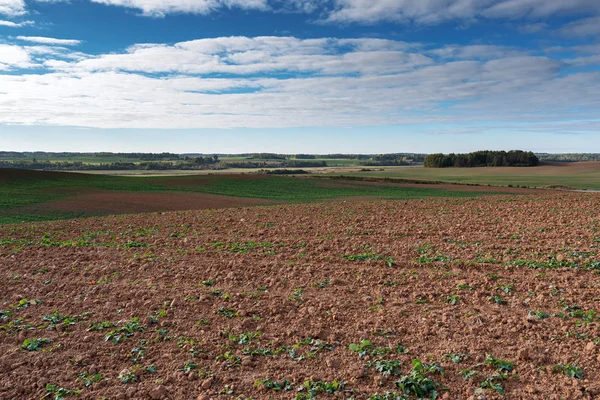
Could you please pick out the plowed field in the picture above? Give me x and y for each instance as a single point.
(398, 299)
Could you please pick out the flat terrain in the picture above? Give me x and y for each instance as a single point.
(436, 298)
(581, 175)
(28, 196)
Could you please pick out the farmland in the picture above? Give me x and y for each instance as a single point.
(444, 297)
(39, 196)
(581, 175)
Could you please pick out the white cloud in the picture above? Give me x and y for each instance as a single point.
(288, 82)
(12, 57)
(12, 7)
(12, 24)
(584, 27)
(436, 11)
(159, 8)
(243, 56)
(50, 41)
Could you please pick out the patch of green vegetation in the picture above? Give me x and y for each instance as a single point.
(19, 193)
(59, 393)
(572, 371)
(418, 383)
(35, 344)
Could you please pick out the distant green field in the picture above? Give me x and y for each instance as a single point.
(82, 158)
(574, 175)
(306, 190)
(20, 190)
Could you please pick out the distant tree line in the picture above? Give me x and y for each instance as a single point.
(305, 156)
(381, 160)
(47, 155)
(568, 157)
(268, 156)
(486, 158)
(191, 164)
(275, 164)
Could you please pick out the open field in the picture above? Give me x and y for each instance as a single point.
(495, 295)
(582, 175)
(38, 196)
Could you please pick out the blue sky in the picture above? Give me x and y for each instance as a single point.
(319, 76)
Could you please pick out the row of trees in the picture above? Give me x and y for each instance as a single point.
(568, 157)
(486, 158)
(381, 160)
(190, 164)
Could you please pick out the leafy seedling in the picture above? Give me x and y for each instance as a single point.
(500, 365)
(35, 344)
(59, 393)
(572, 371)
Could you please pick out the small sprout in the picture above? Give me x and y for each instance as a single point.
(126, 376)
(505, 288)
(285, 385)
(189, 366)
(227, 312)
(501, 365)
(322, 284)
(457, 357)
(35, 344)
(494, 383)
(539, 314)
(572, 371)
(59, 393)
(497, 300)
(454, 300)
(363, 348)
(386, 367)
(468, 374)
(88, 380)
(297, 295)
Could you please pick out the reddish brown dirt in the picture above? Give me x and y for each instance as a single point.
(147, 266)
(113, 202)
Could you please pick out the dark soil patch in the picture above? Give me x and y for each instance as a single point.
(113, 202)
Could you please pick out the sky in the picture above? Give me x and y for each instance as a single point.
(300, 76)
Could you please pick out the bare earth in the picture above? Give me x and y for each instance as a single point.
(312, 279)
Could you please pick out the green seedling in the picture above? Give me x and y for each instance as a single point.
(59, 393)
(500, 365)
(418, 384)
(497, 300)
(572, 371)
(539, 315)
(127, 376)
(386, 367)
(456, 357)
(314, 388)
(227, 312)
(88, 380)
(285, 385)
(35, 344)
(493, 382)
(124, 332)
(189, 366)
(454, 300)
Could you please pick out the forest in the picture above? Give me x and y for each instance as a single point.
(484, 158)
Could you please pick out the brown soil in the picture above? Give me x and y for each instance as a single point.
(113, 202)
(152, 267)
